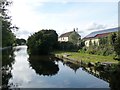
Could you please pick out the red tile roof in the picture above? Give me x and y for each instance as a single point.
(102, 35)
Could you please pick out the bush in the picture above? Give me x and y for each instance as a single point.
(67, 46)
(83, 50)
(42, 42)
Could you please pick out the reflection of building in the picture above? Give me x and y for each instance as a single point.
(94, 36)
(67, 36)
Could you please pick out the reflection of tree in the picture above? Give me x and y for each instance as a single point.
(7, 61)
(115, 79)
(99, 73)
(111, 75)
(44, 65)
(73, 66)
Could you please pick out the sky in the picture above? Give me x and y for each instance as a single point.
(63, 15)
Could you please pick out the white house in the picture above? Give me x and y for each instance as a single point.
(67, 36)
(64, 37)
(94, 37)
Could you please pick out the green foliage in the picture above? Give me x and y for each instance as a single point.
(20, 41)
(103, 41)
(112, 38)
(117, 46)
(67, 46)
(42, 42)
(75, 38)
(8, 38)
(107, 45)
(82, 44)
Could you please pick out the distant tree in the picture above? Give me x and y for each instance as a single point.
(42, 42)
(20, 41)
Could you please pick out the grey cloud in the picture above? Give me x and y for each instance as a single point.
(96, 26)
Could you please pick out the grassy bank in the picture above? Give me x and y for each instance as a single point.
(85, 57)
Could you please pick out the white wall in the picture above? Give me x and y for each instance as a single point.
(63, 39)
(96, 40)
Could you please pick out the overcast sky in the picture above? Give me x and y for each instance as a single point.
(63, 15)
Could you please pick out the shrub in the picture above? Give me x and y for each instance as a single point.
(42, 42)
(67, 46)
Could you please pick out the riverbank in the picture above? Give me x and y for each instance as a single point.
(85, 57)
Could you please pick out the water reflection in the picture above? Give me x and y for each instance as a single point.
(35, 70)
(108, 74)
(43, 65)
(7, 62)
(114, 80)
(71, 65)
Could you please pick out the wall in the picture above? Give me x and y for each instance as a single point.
(96, 40)
(63, 39)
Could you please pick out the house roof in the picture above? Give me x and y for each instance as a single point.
(106, 31)
(66, 34)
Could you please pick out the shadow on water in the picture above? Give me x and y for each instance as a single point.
(43, 65)
(7, 62)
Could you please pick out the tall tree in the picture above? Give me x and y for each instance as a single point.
(8, 37)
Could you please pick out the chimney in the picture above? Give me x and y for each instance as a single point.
(74, 29)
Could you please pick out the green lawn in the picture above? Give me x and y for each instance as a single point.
(88, 57)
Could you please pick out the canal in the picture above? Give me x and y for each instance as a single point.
(23, 71)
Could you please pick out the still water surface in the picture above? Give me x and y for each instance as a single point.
(48, 72)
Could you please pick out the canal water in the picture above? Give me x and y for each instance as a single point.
(24, 71)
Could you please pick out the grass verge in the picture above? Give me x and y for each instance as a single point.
(85, 57)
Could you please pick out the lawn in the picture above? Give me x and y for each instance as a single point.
(85, 57)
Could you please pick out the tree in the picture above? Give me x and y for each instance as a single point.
(117, 45)
(42, 42)
(103, 41)
(20, 41)
(112, 38)
(75, 38)
(8, 38)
